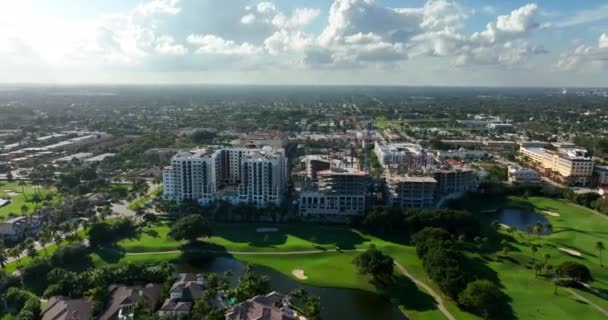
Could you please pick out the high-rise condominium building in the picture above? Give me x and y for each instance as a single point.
(238, 175)
(339, 193)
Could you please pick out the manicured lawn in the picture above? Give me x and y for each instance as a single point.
(244, 237)
(153, 238)
(18, 200)
(335, 269)
(576, 228)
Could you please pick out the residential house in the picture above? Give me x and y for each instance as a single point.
(269, 307)
(124, 298)
(188, 288)
(61, 308)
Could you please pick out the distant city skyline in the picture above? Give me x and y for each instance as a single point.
(316, 42)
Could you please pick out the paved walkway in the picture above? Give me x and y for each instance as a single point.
(429, 290)
(402, 269)
(581, 298)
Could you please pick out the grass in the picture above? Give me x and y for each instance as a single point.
(577, 228)
(531, 298)
(244, 238)
(19, 200)
(152, 238)
(343, 274)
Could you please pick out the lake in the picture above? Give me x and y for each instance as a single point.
(336, 303)
(519, 218)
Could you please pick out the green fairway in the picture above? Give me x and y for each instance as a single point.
(151, 239)
(575, 228)
(335, 269)
(22, 197)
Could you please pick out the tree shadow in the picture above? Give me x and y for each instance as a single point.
(319, 235)
(110, 254)
(404, 292)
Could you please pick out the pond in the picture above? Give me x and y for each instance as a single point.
(336, 303)
(519, 218)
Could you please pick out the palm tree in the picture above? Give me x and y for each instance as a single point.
(549, 228)
(15, 253)
(538, 229)
(537, 269)
(22, 184)
(44, 238)
(3, 257)
(599, 246)
(534, 250)
(529, 231)
(36, 199)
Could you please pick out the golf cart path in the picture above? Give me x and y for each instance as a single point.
(429, 290)
(581, 298)
(402, 269)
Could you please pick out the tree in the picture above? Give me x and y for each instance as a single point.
(375, 263)
(24, 209)
(548, 228)
(22, 184)
(599, 246)
(482, 297)
(534, 250)
(529, 231)
(251, 284)
(576, 271)
(3, 257)
(190, 228)
(538, 229)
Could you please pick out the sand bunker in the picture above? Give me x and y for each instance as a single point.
(506, 226)
(551, 213)
(12, 194)
(571, 252)
(299, 273)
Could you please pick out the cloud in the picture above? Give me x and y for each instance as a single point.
(156, 7)
(585, 17)
(506, 27)
(585, 56)
(211, 44)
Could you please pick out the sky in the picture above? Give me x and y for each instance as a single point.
(306, 42)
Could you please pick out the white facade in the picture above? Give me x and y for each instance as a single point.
(408, 154)
(523, 175)
(238, 175)
(462, 154)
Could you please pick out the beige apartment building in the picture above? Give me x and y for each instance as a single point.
(568, 165)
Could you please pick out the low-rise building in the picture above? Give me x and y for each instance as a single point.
(462, 154)
(19, 228)
(62, 308)
(408, 192)
(273, 138)
(600, 175)
(124, 298)
(407, 155)
(81, 156)
(268, 307)
(188, 288)
(572, 166)
(99, 158)
(522, 175)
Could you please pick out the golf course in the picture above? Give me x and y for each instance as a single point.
(322, 256)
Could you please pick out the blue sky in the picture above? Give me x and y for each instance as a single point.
(408, 42)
